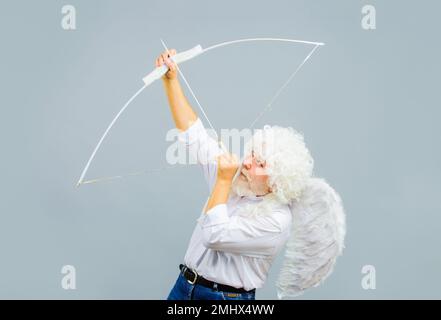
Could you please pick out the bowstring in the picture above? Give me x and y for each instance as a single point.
(264, 110)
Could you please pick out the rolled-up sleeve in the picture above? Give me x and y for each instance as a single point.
(255, 236)
(203, 149)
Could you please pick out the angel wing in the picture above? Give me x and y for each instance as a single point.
(316, 240)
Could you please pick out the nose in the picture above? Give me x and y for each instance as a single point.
(247, 163)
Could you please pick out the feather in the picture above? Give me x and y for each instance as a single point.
(316, 240)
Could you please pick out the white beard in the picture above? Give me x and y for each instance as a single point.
(269, 202)
(241, 188)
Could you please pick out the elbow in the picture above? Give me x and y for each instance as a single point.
(209, 240)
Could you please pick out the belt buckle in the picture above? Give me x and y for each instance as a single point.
(195, 276)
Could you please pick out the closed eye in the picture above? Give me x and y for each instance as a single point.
(260, 163)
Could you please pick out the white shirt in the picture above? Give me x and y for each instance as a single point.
(225, 247)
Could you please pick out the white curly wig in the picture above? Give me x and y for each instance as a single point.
(289, 162)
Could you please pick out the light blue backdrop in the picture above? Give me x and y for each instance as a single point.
(368, 105)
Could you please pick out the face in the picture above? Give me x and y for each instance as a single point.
(253, 178)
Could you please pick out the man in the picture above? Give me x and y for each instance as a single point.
(246, 221)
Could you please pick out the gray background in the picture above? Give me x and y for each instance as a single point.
(368, 105)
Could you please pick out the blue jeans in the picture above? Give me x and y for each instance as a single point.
(183, 290)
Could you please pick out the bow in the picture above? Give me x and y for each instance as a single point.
(181, 57)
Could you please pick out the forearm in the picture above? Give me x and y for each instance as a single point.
(220, 193)
(182, 113)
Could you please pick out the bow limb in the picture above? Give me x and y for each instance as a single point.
(156, 74)
(80, 181)
(223, 44)
(184, 56)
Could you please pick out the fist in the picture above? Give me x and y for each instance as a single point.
(228, 164)
(164, 58)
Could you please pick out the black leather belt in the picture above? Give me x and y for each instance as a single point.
(193, 278)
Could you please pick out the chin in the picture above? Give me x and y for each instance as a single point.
(241, 188)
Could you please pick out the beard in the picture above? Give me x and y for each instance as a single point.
(241, 187)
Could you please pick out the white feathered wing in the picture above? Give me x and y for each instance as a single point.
(316, 240)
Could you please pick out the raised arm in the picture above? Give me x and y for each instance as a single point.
(182, 112)
(201, 146)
